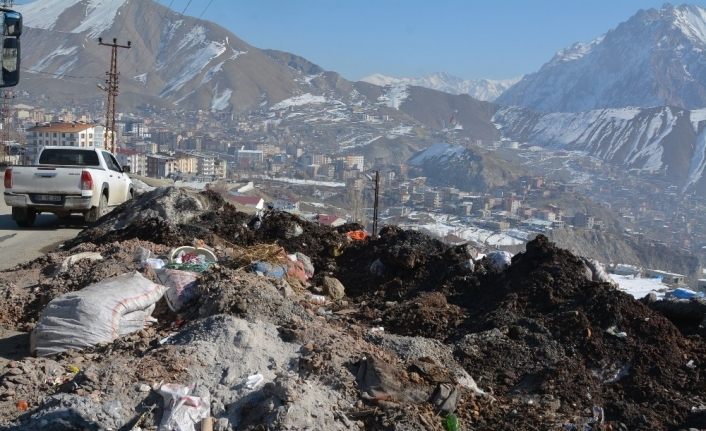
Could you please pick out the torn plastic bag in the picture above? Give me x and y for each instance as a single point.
(181, 287)
(499, 260)
(182, 411)
(96, 314)
(269, 269)
(306, 261)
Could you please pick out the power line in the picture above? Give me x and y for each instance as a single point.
(59, 75)
(205, 9)
(186, 7)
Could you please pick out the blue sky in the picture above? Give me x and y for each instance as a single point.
(472, 39)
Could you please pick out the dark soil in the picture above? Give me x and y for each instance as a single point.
(551, 346)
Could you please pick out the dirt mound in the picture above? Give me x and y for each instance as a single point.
(542, 329)
(398, 265)
(537, 345)
(154, 216)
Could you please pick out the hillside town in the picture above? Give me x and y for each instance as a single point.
(288, 172)
(207, 233)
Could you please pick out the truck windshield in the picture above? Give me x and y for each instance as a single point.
(57, 156)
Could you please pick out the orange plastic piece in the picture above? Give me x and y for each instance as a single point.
(22, 405)
(357, 235)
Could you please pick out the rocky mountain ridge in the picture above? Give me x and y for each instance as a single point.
(655, 58)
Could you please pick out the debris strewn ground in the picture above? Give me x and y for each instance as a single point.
(398, 332)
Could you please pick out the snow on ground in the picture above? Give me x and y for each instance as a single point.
(303, 99)
(399, 131)
(221, 101)
(394, 96)
(441, 152)
(697, 116)
(298, 181)
(100, 14)
(640, 287)
(141, 78)
(361, 144)
(471, 233)
(210, 73)
(61, 51)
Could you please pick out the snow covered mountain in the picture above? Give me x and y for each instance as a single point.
(656, 58)
(481, 89)
(175, 60)
(182, 62)
(665, 141)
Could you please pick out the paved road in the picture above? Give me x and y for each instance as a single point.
(21, 245)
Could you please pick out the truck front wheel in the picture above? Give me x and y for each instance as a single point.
(95, 213)
(24, 217)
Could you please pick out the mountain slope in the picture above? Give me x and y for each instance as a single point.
(665, 141)
(481, 89)
(186, 63)
(175, 60)
(653, 59)
(468, 169)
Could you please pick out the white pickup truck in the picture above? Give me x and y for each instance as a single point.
(66, 180)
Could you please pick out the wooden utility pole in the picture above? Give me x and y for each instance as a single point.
(112, 90)
(375, 206)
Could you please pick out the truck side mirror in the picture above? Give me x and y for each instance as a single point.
(10, 58)
(10, 50)
(126, 169)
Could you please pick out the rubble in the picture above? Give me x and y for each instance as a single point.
(412, 335)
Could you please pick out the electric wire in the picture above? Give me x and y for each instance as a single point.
(205, 9)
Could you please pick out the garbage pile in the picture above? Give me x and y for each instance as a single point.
(176, 312)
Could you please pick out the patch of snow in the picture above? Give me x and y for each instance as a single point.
(210, 73)
(100, 16)
(698, 160)
(142, 78)
(309, 78)
(303, 99)
(576, 51)
(221, 101)
(194, 64)
(237, 54)
(697, 116)
(394, 95)
(481, 89)
(44, 13)
(470, 233)
(400, 130)
(297, 181)
(691, 20)
(440, 152)
(61, 51)
(640, 287)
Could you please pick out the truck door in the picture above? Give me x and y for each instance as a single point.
(116, 182)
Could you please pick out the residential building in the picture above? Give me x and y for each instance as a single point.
(135, 160)
(186, 163)
(220, 168)
(160, 165)
(69, 134)
(355, 162)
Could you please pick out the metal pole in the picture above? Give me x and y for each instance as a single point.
(375, 207)
(112, 90)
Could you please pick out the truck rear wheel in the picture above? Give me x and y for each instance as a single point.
(95, 213)
(24, 217)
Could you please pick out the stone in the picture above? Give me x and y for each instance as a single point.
(333, 287)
